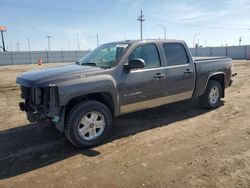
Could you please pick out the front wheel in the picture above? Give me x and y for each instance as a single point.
(88, 124)
(212, 96)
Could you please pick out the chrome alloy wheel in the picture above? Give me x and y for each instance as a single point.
(91, 125)
(214, 95)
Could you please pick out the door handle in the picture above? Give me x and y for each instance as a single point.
(188, 71)
(159, 76)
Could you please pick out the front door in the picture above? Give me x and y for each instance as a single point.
(138, 88)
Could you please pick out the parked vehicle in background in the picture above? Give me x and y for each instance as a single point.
(117, 78)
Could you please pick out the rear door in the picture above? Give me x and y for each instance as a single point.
(180, 72)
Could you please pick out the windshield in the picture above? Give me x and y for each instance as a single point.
(105, 56)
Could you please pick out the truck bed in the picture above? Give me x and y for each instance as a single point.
(200, 59)
(207, 66)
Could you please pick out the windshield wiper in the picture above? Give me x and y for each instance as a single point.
(89, 64)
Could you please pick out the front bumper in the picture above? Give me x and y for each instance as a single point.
(43, 102)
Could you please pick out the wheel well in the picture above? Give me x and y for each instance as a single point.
(104, 98)
(221, 79)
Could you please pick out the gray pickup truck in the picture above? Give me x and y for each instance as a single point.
(117, 78)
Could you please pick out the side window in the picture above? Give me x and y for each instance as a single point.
(175, 54)
(149, 54)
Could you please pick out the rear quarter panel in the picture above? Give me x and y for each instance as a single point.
(207, 68)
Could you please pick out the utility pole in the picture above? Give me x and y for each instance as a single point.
(28, 43)
(196, 34)
(48, 42)
(240, 39)
(140, 19)
(78, 42)
(3, 29)
(97, 40)
(165, 30)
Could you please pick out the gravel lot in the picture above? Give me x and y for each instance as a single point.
(177, 145)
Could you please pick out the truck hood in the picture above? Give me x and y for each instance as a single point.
(44, 77)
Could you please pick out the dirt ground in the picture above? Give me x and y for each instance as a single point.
(177, 145)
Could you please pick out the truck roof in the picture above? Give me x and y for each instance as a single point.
(148, 40)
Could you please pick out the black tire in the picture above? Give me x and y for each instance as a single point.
(205, 99)
(74, 118)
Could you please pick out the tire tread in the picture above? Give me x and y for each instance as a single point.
(204, 99)
(74, 114)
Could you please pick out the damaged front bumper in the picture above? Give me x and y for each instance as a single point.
(42, 105)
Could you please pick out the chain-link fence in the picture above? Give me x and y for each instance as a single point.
(18, 58)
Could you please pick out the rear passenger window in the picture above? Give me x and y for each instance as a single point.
(148, 53)
(175, 54)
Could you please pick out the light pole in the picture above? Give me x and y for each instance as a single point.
(97, 40)
(49, 42)
(140, 19)
(240, 39)
(17, 46)
(3, 29)
(28, 43)
(78, 42)
(164, 28)
(68, 44)
(29, 50)
(196, 34)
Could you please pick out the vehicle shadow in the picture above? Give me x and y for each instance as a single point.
(29, 147)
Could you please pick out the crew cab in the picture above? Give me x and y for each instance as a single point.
(117, 78)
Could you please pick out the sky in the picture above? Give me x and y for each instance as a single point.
(214, 23)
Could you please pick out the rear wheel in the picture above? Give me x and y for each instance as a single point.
(212, 96)
(88, 124)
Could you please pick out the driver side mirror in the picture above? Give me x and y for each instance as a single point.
(135, 63)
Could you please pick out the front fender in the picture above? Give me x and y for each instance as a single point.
(71, 89)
